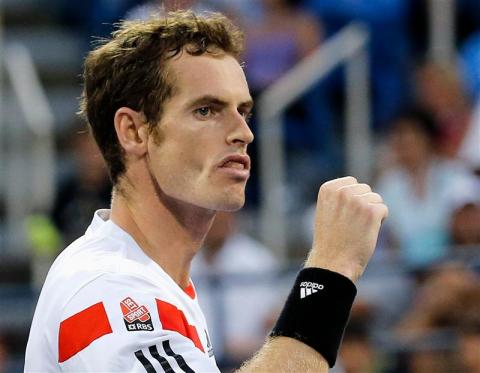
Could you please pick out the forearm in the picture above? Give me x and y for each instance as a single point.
(284, 355)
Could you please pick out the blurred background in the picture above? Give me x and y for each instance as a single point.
(385, 90)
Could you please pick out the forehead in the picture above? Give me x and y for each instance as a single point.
(216, 75)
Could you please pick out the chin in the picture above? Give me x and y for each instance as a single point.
(228, 199)
(231, 202)
(231, 207)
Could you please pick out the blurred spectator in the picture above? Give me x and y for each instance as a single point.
(428, 358)
(389, 47)
(465, 218)
(440, 92)
(357, 352)
(284, 35)
(83, 189)
(465, 225)
(469, 338)
(3, 355)
(441, 299)
(232, 277)
(419, 188)
(448, 301)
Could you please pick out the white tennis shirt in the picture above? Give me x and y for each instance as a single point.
(107, 307)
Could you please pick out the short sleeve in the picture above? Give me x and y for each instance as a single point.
(120, 323)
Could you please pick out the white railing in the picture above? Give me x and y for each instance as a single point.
(442, 30)
(349, 47)
(29, 156)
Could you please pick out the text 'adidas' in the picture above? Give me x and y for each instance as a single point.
(308, 288)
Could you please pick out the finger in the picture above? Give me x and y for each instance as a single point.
(371, 197)
(338, 183)
(355, 189)
(381, 210)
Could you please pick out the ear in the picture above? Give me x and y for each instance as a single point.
(132, 132)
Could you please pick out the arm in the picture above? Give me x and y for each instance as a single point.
(347, 223)
(282, 354)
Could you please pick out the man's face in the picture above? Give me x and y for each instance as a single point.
(199, 154)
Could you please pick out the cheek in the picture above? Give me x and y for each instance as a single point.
(194, 159)
(189, 148)
(186, 160)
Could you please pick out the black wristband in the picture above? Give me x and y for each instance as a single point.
(317, 311)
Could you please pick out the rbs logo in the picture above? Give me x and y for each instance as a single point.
(135, 317)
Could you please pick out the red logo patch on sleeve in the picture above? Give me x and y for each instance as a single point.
(135, 317)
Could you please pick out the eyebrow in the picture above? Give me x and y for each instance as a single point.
(213, 100)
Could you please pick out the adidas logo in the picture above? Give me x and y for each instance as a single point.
(308, 288)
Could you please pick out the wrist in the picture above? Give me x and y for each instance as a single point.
(350, 270)
(317, 311)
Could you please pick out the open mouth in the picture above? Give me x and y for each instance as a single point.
(236, 165)
(236, 162)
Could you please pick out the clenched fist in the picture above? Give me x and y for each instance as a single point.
(347, 223)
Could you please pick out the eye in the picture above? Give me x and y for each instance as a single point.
(247, 115)
(204, 111)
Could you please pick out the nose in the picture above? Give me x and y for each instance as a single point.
(240, 131)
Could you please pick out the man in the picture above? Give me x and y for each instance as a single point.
(167, 103)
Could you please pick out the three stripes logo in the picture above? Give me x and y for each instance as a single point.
(164, 361)
(308, 288)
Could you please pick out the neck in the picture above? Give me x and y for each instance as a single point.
(169, 231)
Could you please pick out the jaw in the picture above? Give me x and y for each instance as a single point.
(227, 199)
(222, 195)
(203, 190)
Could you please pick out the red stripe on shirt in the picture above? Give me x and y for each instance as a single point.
(174, 319)
(81, 329)
(190, 290)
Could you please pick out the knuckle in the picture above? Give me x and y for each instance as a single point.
(385, 211)
(377, 197)
(343, 194)
(371, 213)
(366, 187)
(378, 212)
(322, 192)
(358, 203)
(324, 187)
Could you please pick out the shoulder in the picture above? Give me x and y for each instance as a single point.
(94, 265)
(119, 313)
(99, 313)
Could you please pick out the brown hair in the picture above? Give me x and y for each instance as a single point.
(130, 70)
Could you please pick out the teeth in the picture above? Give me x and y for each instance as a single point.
(236, 165)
